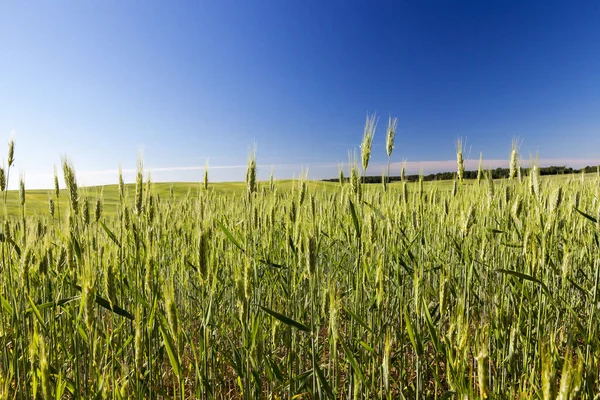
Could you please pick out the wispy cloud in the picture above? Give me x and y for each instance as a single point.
(324, 170)
(153, 170)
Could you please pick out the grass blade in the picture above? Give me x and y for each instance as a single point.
(594, 220)
(286, 320)
(230, 236)
(529, 278)
(353, 362)
(171, 352)
(412, 335)
(354, 218)
(110, 233)
(106, 304)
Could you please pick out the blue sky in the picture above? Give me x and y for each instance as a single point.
(194, 81)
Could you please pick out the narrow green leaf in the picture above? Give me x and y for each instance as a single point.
(515, 245)
(106, 304)
(171, 352)
(124, 345)
(6, 305)
(360, 321)
(353, 362)
(51, 304)
(366, 347)
(36, 312)
(110, 234)
(324, 384)
(66, 383)
(16, 246)
(447, 395)
(432, 330)
(114, 308)
(526, 277)
(414, 339)
(82, 333)
(286, 320)
(150, 323)
(275, 368)
(230, 236)
(354, 218)
(582, 290)
(76, 247)
(208, 314)
(271, 264)
(192, 266)
(376, 211)
(594, 220)
(3, 238)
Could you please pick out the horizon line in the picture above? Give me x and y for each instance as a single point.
(316, 171)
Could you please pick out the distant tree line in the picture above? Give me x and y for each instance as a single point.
(497, 173)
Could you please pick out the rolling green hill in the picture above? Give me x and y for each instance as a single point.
(36, 201)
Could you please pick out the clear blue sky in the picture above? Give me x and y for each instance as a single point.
(198, 80)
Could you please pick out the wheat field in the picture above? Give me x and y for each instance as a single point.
(299, 290)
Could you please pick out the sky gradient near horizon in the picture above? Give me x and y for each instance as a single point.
(191, 82)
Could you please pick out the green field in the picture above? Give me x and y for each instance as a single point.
(37, 200)
(303, 290)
